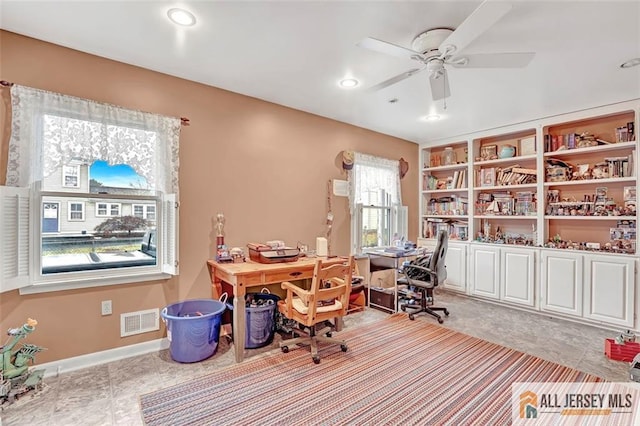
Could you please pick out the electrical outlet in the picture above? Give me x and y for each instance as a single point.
(106, 307)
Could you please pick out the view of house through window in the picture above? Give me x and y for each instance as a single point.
(98, 222)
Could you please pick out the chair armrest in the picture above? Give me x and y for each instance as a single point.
(433, 274)
(298, 291)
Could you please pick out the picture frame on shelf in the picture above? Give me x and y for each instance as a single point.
(488, 177)
(629, 193)
(528, 146)
(601, 194)
(488, 152)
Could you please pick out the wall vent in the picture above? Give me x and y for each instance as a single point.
(139, 322)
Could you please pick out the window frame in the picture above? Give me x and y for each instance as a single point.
(109, 207)
(386, 196)
(21, 257)
(145, 211)
(70, 211)
(76, 174)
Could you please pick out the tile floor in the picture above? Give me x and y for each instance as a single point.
(108, 394)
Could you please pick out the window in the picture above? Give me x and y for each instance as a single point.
(377, 215)
(76, 210)
(71, 176)
(145, 211)
(107, 209)
(129, 158)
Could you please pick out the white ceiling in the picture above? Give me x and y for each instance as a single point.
(294, 52)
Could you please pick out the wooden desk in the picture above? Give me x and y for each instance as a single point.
(252, 274)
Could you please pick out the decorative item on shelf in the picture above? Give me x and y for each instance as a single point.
(507, 151)
(528, 145)
(558, 170)
(488, 152)
(585, 140)
(448, 157)
(600, 170)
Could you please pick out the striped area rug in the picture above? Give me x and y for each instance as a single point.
(396, 372)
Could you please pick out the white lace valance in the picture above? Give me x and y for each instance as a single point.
(50, 130)
(374, 174)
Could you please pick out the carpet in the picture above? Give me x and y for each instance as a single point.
(396, 371)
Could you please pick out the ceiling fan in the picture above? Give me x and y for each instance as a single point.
(436, 48)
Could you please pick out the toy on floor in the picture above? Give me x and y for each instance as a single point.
(15, 377)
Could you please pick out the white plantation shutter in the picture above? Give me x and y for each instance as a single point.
(15, 237)
(400, 221)
(170, 234)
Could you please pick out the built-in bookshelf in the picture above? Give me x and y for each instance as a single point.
(565, 182)
(445, 191)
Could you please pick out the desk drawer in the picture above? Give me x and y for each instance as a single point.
(280, 276)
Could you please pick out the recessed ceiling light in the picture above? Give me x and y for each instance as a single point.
(630, 63)
(431, 117)
(348, 83)
(181, 17)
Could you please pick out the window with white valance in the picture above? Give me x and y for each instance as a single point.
(57, 143)
(375, 200)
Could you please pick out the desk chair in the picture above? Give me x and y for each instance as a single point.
(327, 299)
(424, 274)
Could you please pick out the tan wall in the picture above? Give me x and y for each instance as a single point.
(265, 166)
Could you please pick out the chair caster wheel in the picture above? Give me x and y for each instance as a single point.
(344, 348)
(328, 334)
(285, 349)
(446, 312)
(412, 317)
(403, 308)
(440, 320)
(316, 360)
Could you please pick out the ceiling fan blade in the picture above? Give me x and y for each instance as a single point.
(396, 79)
(487, 14)
(493, 60)
(440, 86)
(389, 48)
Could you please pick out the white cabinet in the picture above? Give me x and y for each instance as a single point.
(456, 263)
(518, 275)
(504, 273)
(485, 271)
(561, 282)
(609, 283)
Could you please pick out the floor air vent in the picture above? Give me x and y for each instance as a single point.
(139, 322)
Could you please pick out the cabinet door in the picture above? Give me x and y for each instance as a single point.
(456, 263)
(609, 289)
(485, 271)
(561, 283)
(517, 276)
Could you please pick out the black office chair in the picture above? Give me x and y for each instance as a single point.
(422, 275)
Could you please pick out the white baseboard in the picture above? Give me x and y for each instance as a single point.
(53, 369)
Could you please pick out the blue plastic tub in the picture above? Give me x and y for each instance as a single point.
(193, 328)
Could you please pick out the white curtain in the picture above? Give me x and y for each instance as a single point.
(374, 175)
(50, 130)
